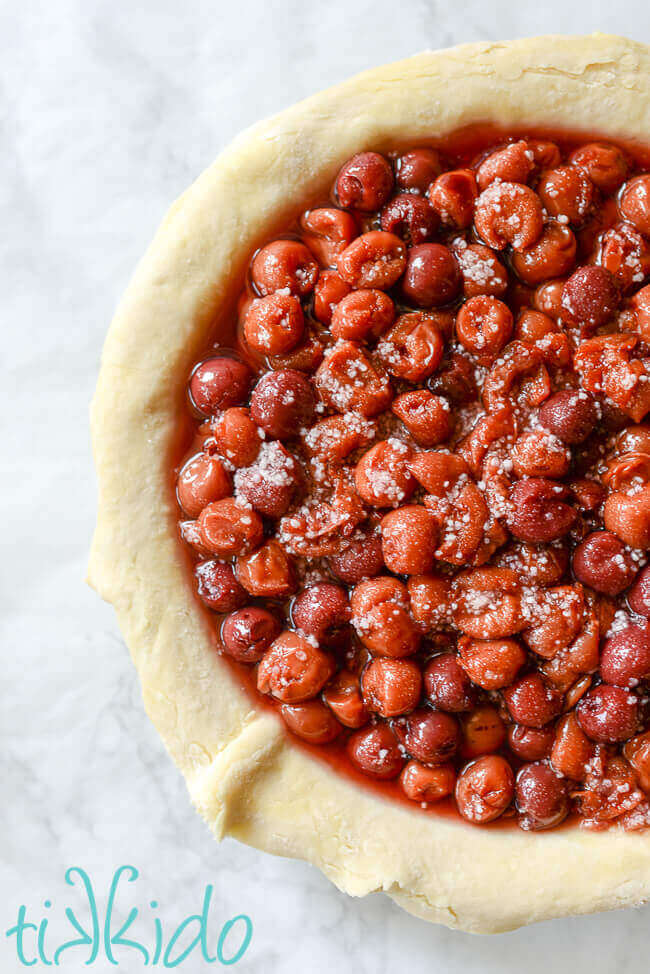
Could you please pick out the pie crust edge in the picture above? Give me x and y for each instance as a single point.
(244, 774)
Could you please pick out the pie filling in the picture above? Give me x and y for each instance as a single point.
(417, 495)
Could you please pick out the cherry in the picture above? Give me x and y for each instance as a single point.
(484, 789)
(429, 735)
(416, 170)
(364, 182)
(283, 403)
(638, 598)
(625, 656)
(539, 511)
(218, 383)
(217, 586)
(410, 217)
(293, 670)
(311, 721)
(541, 797)
(570, 415)
(248, 633)
(604, 563)
(376, 751)
(531, 702)
(531, 743)
(590, 297)
(284, 265)
(360, 558)
(447, 684)
(608, 714)
(432, 276)
(409, 539)
(320, 609)
(424, 784)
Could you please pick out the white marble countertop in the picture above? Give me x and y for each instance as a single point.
(109, 109)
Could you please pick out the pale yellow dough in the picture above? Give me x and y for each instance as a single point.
(243, 773)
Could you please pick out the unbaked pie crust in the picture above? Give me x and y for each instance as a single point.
(244, 774)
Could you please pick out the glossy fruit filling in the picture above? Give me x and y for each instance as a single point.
(417, 496)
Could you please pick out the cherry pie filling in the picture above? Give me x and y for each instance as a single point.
(417, 494)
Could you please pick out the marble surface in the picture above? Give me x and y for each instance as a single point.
(109, 109)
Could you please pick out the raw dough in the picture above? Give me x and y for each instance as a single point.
(243, 773)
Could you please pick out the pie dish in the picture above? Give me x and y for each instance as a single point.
(448, 371)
